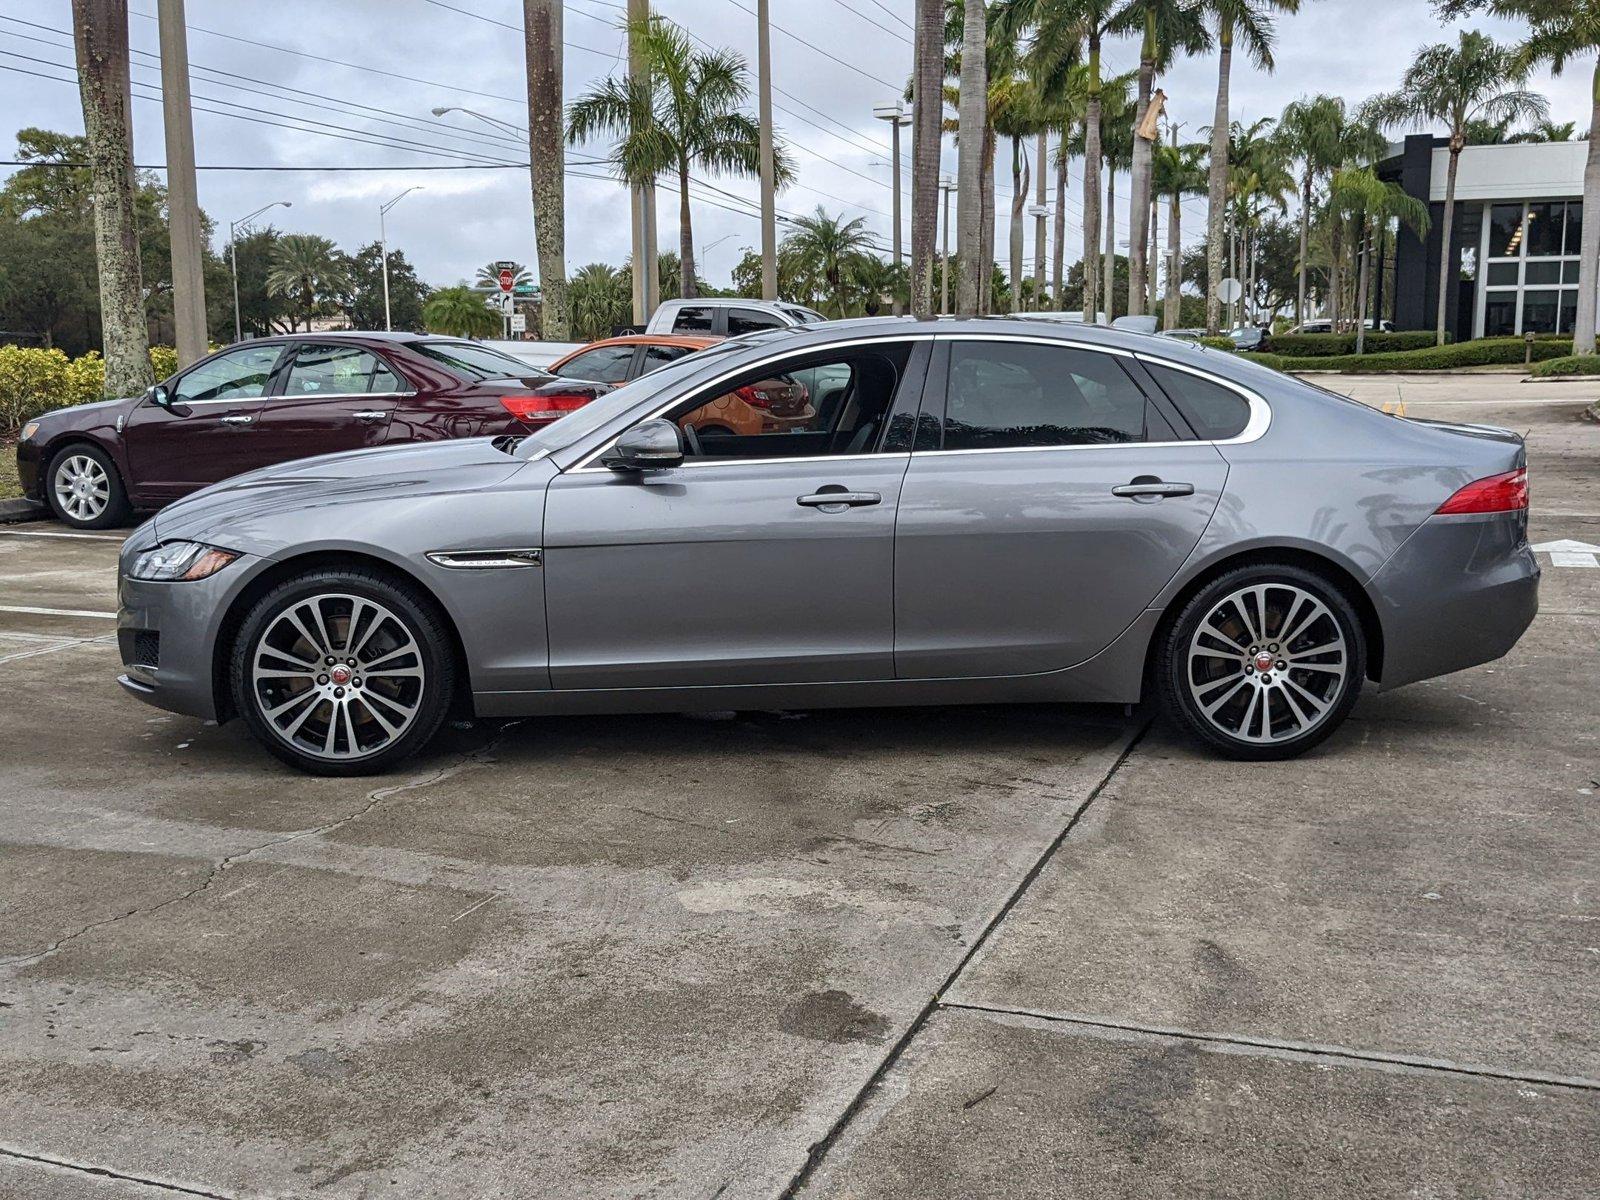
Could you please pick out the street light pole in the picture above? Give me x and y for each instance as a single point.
(472, 112)
(183, 204)
(946, 186)
(383, 248)
(233, 259)
(1040, 214)
(769, 223)
(895, 114)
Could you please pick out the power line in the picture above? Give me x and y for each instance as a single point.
(517, 29)
(879, 6)
(814, 48)
(873, 21)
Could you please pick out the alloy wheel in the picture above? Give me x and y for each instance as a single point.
(338, 676)
(82, 487)
(1267, 664)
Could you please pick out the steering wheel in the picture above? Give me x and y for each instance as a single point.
(691, 439)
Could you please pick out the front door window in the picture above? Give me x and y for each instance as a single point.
(232, 375)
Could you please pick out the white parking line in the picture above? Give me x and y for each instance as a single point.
(56, 612)
(50, 533)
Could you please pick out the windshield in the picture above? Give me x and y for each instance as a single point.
(581, 422)
(471, 361)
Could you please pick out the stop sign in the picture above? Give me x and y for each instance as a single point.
(506, 279)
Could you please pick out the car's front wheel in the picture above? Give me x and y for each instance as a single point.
(84, 489)
(1263, 662)
(343, 672)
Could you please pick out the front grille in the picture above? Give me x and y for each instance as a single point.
(146, 648)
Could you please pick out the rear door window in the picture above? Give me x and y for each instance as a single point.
(656, 357)
(749, 320)
(694, 318)
(1214, 412)
(1008, 395)
(331, 370)
(603, 364)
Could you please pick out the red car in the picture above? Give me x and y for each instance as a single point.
(263, 402)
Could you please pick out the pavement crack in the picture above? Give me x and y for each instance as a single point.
(468, 761)
(107, 1173)
(819, 1149)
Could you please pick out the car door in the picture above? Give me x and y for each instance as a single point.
(206, 427)
(333, 396)
(766, 558)
(1050, 502)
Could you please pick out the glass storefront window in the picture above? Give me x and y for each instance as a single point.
(1505, 231)
(1569, 272)
(1500, 314)
(1574, 240)
(1543, 273)
(1542, 232)
(1540, 309)
(1569, 309)
(1503, 274)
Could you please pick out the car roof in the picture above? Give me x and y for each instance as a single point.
(689, 340)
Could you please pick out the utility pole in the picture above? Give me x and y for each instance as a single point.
(383, 248)
(1041, 223)
(183, 201)
(769, 215)
(647, 276)
(946, 186)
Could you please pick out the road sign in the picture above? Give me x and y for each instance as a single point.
(519, 322)
(1229, 290)
(508, 279)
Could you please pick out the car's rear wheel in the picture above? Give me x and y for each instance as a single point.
(84, 489)
(1264, 662)
(343, 672)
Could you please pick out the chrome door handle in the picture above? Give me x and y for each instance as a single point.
(237, 420)
(838, 501)
(1153, 489)
(370, 414)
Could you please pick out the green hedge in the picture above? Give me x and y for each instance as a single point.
(1481, 353)
(1217, 343)
(1327, 345)
(34, 381)
(1574, 364)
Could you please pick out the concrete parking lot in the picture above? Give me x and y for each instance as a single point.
(1030, 951)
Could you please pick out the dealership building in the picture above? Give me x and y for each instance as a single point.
(1514, 248)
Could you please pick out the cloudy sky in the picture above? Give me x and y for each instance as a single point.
(292, 82)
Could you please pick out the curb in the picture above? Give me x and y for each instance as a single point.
(1562, 379)
(1592, 413)
(14, 512)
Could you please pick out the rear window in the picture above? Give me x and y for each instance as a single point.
(470, 361)
(1215, 412)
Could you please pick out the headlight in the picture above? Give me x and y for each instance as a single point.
(28, 430)
(180, 561)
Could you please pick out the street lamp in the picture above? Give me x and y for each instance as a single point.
(472, 112)
(233, 259)
(705, 251)
(383, 247)
(946, 186)
(897, 116)
(1039, 213)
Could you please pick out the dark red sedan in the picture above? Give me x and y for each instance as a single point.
(268, 401)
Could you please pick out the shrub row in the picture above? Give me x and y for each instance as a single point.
(1575, 364)
(34, 381)
(1481, 353)
(1327, 345)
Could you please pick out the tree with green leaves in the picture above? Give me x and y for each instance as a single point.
(1176, 172)
(1475, 79)
(602, 300)
(310, 273)
(685, 110)
(1547, 131)
(827, 247)
(1251, 23)
(488, 276)
(363, 299)
(460, 312)
(1367, 203)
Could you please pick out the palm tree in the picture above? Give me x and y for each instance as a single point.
(1176, 172)
(1016, 114)
(973, 116)
(488, 276)
(308, 271)
(826, 248)
(1168, 28)
(460, 312)
(541, 23)
(1472, 80)
(683, 111)
(1250, 22)
(1116, 111)
(602, 299)
(1357, 194)
(926, 143)
(100, 35)
(1259, 180)
(877, 280)
(1547, 131)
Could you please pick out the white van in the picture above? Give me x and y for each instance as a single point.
(722, 317)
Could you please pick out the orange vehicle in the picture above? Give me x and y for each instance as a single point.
(584, 375)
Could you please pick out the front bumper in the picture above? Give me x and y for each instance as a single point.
(167, 634)
(1460, 592)
(30, 468)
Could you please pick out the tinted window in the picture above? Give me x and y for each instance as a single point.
(234, 375)
(1007, 394)
(472, 362)
(1213, 411)
(604, 364)
(1544, 229)
(1505, 230)
(748, 320)
(694, 319)
(336, 371)
(659, 356)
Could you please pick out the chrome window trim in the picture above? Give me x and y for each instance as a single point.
(302, 396)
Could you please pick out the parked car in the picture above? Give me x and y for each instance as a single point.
(722, 317)
(264, 402)
(586, 374)
(1324, 325)
(1183, 335)
(993, 511)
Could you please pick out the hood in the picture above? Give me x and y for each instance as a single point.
(239, 513)
(97, 412)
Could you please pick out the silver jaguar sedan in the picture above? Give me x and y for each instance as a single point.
(976, 511)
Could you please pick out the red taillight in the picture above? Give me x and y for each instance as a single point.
(755, 397)
(1497, 493)
(536, 407)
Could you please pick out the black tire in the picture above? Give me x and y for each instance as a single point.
(117, 510)
(1176, 673)
(415, 613)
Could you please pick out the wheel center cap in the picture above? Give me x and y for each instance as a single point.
(1263, 661)
(340, 675)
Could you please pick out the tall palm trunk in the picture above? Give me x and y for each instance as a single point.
(1041, 196)
(1362, 257)
(1091, 186)
(990, 216)
(969, 187)
(541, 23)
(1458, 141)
(686, 285)
(1335, 272)
(1170, 317)
(1139, 199)
(1305, 241)
(1109, 275)
(1218, 182)
(1019, 203)
(1153, 261)
(1058, 252)
(1583, 329)
(100, 37)
(927, 130)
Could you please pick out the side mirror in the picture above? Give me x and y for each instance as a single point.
(649, 446)
(158, 394)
